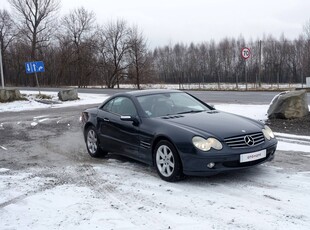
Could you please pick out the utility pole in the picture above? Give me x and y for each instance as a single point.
(302, 78)
(259, 64)
(1, 66)
(245, 76)
(278, 79)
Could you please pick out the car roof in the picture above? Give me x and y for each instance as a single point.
(146, 92)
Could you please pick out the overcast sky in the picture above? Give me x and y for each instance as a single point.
(172, 21)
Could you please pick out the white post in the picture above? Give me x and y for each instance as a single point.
(1, 67)
(35, 73)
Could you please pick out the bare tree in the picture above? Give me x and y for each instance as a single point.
(79, 25)
(7, 34)
(115, 45)
(36, 20)
(7, 30)
(77, 38)
(139, 58)
(178, 63)
(306, 29)
(203, 61)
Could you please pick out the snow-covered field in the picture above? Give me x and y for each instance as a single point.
(112, 194)
(214, 86)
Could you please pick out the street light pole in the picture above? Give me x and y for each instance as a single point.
(1, 67)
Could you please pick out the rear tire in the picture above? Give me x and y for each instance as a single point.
(167, 162)
(92, 143)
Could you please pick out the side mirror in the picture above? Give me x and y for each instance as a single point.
(134, 120)
(212, 106)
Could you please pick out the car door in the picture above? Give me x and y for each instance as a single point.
(106, 135)
(121, 136)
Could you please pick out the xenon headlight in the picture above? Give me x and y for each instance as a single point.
(206, 144)
(267, 132)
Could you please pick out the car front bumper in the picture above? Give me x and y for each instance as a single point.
(198, 165)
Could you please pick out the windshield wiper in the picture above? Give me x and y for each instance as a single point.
(191, 111)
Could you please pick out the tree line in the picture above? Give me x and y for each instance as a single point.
(272, 61)
(77, 51)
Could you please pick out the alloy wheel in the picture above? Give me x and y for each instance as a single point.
(165, 161)
(92, 141)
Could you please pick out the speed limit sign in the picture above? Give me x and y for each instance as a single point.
(245, 53)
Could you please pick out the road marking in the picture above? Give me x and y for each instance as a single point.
(3, 147)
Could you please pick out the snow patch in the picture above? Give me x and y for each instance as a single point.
(32, 104)
(256, 112)
(2, 147)
(3, 170)
(285, 146)
(292, 136)
(33, 124)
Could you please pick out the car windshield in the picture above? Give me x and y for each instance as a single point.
(164, 104)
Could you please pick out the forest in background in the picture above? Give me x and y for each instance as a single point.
(78, 51)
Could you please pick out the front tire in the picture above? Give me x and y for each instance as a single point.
(92, 143)
(167, 162)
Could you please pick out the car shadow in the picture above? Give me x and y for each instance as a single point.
(242, 176)
(238, 176)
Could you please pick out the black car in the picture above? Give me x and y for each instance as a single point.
(177, 133)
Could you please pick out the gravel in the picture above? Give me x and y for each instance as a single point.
(298, 126)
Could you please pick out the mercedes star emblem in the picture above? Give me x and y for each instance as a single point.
(249, 140)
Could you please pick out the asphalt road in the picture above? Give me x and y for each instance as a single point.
(53, 136)
(235, 97)
(24, 133)
(232, 97)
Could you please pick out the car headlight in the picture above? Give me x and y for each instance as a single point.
(206, 144)
(267, 132)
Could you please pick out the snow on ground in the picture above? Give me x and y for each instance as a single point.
(212, 86)
(127, 196)
(32, 104)
(256, 112)
(131, 196)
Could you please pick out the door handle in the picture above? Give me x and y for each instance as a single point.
(106, 119)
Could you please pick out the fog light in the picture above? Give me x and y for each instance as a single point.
(210, 165)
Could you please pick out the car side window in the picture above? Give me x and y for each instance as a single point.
(108, 106)
(127, 107)
(121, 106)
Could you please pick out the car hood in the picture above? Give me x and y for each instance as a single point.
(216, 123)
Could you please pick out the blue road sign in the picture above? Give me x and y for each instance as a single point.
(28, 67)
(34, 67)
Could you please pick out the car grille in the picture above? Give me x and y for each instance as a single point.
(245, 141)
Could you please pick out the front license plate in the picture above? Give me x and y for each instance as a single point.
(253, 156)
